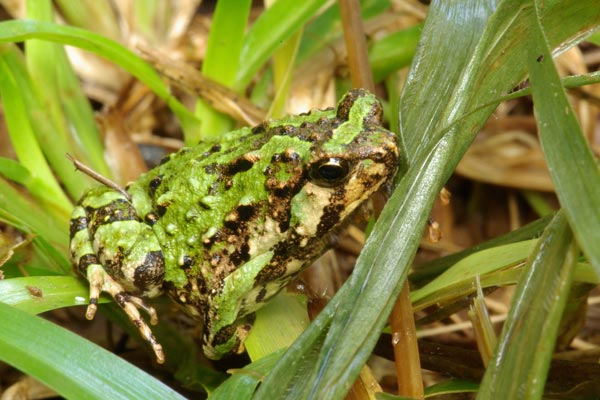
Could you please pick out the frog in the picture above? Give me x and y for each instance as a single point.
(221, 228)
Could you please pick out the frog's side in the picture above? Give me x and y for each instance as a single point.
(222, 228)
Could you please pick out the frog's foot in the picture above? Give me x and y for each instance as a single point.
(100, 281)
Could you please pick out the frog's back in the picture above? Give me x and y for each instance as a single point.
(237, 220)
(210, 200)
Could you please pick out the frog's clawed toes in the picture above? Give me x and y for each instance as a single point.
(130, 305)
(96, 279)
(100, 281)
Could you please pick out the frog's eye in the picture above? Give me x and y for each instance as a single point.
(329, 172)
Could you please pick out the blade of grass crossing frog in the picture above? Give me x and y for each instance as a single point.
(330, 371)
(362, 305)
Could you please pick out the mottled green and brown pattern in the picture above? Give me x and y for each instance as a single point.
(223, 227)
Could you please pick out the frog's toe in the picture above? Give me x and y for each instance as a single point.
(96, 277)
(140, 303)
(130, 305)
(101, 281)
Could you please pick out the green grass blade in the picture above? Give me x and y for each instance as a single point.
(225, 41)
(46, 123)
(26, 215)
(53, 356)
(54, 292)
(433, 268)
(283, 62)
(326, 28)
(446, 84)
(525, 347)
(21, 132)
(66, 109)
(16, 172)
(449, 387)
(46, 132)
(394, 51)
(273, 27)
(480, 263)
(277, 325)
(18, 31)
(571, 163)
(242, 384)
(95, 15)
(222, 60)
(149, 18)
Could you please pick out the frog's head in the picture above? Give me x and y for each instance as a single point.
(346, 166)
(314, 170)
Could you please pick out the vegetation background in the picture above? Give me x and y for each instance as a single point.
(492, 99)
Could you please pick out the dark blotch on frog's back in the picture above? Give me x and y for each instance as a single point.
(246, 212)
(215, 148)
(154, 184)
(232, 225)
(260, 129)
(165, 159)
(169, 157)
(284, 130)
(211, 169)
(187, 262)
(161, 209)
(285, 157)
(203, 205)
(240, 164)
(235, 231)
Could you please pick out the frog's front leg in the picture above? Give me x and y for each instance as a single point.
(230, 309)
(119, 254)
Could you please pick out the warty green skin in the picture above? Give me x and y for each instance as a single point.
(224, 227)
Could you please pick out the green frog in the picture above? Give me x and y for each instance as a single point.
(223, 227)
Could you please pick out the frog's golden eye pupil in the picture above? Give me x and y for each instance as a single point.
(330, 171)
